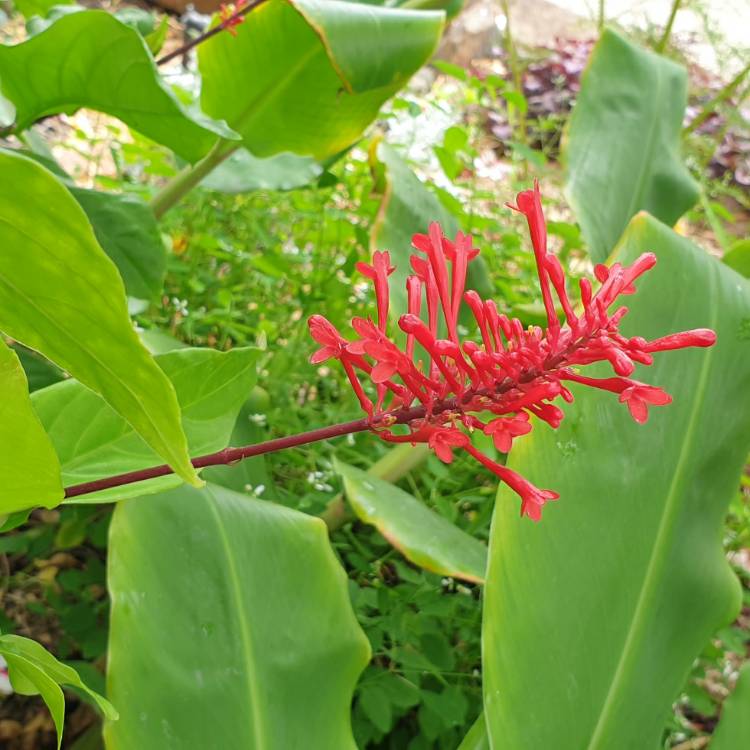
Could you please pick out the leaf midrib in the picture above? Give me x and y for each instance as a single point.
(659, 549)
(257, 727)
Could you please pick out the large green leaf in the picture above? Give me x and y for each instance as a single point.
(420, 534)
(622, 142)
(127, 231)
(308, 76)
(29, 468)
(733, 732)
(237, 633)
(62, 296)
(33, 670)
(91, 59)
(409, 207)
(593, 617)
(93, 441)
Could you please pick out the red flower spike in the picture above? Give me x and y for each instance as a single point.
(514, 373)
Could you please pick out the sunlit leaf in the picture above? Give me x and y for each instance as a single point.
(29, 468)
(90, 59)
(421, 535)
(62, 296)
(308, 76)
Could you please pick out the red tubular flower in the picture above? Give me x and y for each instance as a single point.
(514, 373)
(229, 19)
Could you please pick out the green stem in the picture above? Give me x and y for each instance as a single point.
(600, 22)
(662, 43)
(710, 106)
(390, 468)
(180, 185)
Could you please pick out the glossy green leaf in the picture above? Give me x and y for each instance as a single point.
(733, 731)
(62, 296)
(409, 207)
(242, 172)
(622, 143)
(476, 739)
(244, 629)
(308, 76)
(33, 670)
(93, 441)
(612, 596)
(127, 231)
(90, 59)
(738, 257)
(29, 468)
(421, 535)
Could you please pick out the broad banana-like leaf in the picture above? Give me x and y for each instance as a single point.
(733, 731)
(308, 76)
(62, 296)
(622, 143)
(244, 629)
(592, 618)
(407, 208)
(421, 535)
(29, 468)
(91, 59)
(93, 441)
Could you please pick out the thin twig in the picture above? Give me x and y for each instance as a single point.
(180, 51)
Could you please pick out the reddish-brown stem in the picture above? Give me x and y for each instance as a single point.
(180, 51)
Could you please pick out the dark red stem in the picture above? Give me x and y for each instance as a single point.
(180, 51)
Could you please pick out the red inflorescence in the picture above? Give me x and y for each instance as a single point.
(514, 373)
(228, 17)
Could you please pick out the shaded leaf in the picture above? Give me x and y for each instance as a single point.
(421, 535)
(62, 296)
(616, 591)
(29, 468)
(308, 76)
(127, 231)
(622, 144)
(409, 207)
(733, 731)
(90, 59)
(246, 612)
(93, 441)
(242, 172)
